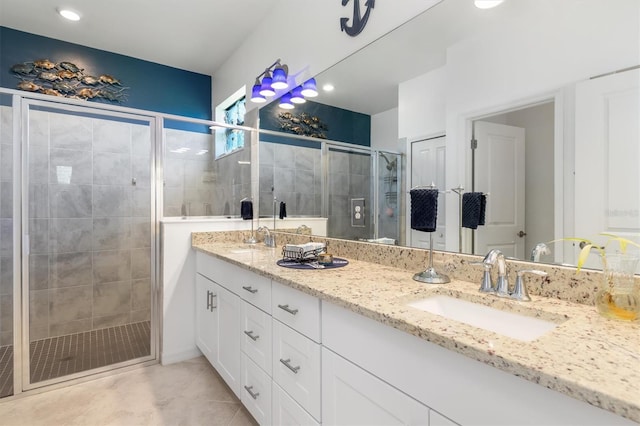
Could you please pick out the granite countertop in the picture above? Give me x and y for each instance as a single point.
(586, 356)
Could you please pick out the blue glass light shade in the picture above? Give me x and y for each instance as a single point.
(266, 89)
(296, 96)
(309, 88)
(256, 96)
(285, 101)
(279, 79)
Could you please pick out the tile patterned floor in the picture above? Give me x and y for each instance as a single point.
(59, 356)
(185, 393)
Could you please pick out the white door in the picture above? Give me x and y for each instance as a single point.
(427, 167)
(206, 317)
(499, 172)
(607, 158)
(352, 396)
(229, 332)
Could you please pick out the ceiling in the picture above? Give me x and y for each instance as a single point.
(194, 35)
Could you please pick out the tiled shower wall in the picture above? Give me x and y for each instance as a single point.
(197, 184)
(6, 226)
(90, 223)
(294, 175)
(350, 176)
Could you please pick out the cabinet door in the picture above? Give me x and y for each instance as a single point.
(256, 336)
(352, 396)
(296, 367)
(206, 318)
(256, 391)
(287, 412)
(228, 331)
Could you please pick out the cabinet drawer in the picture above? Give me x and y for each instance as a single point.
(253, 288)
(216, 270)
(256, 336)
(256, 391)
(296, 367)
(286, 412)
(296, 309)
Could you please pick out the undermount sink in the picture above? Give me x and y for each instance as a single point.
(516, 326)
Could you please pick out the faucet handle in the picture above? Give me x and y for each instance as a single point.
(520, 290)
(486, 285)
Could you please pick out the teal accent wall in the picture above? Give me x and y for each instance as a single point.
(342, 125)
(152, 86)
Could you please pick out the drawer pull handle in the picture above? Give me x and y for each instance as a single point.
(287, 363)
(254, 395)
(250, 289)
(251, 336)
(288, 309)
(210, 297)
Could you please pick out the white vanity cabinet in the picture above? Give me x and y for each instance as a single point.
(206, 317)
(351, 396)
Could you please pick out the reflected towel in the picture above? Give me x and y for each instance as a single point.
(283, 210)
(424, 209)
(473, 209)
(246, 210)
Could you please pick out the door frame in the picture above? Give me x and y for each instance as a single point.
(563, 181)
(22, 381)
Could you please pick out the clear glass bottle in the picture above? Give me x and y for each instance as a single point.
(619, 297)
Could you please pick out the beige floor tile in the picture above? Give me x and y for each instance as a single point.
(186, 393)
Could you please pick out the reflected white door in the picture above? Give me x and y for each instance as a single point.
(607, 156)
(499, 171)
(427, 167)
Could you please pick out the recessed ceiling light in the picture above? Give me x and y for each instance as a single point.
(69, 14)
(328, 87)
(487, 4)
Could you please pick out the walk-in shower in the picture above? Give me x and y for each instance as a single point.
(356, 188)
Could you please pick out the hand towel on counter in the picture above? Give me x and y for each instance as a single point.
(246, 209)
(473, 209)
(283, 210)
(424, 209)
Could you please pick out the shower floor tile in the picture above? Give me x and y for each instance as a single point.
(73, 353)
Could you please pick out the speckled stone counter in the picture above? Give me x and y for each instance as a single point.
(586, 356)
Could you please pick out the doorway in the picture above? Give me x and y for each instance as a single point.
(521, 182)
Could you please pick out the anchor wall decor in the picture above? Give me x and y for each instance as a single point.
(358, 21)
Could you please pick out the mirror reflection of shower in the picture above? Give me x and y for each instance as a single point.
(387, 227)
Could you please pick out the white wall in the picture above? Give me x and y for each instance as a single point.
(422, 105)
(384, 131)
(306, 35)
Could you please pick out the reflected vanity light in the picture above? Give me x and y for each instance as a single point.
(69, 14)
(328, 87)
(487, 4)
(244, 162)
(202, 152)
(285, 101)
(180, 150)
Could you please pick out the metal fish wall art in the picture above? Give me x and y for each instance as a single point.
(68, 80)
(302, 124)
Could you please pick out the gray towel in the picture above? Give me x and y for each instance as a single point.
(246, 210)
(424, 209)
(473, 209)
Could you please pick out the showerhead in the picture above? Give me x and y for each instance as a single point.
(391, 165)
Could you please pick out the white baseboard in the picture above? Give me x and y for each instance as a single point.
(173, 357)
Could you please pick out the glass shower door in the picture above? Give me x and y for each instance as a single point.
(90, 219)
(6, 246)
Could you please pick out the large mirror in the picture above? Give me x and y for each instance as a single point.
(534, 103)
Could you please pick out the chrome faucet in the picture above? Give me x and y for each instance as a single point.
(269, 240)
(539, 249)
(301, 228)
(495, 257)
(520, 290)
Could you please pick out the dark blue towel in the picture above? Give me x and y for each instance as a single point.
(424, 209)
(283, 210)
(473, 209)
(246, 210)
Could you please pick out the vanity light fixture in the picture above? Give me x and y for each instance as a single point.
(266, 89)
(280, 77)
(309, 88)
(296, 95)
(487, 4)
(285, 101)
(328, 87)
(255, 93)
(69, 14)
